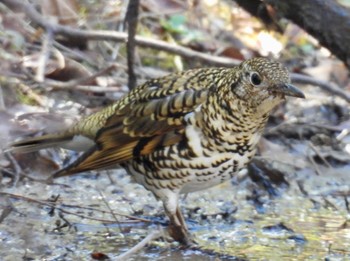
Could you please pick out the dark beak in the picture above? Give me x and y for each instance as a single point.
(290, 90)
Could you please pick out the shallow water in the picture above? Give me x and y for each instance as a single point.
(291, 226)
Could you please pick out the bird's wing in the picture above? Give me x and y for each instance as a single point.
(149, 117)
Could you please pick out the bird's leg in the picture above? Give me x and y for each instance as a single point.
(177, 227)
(181, 219)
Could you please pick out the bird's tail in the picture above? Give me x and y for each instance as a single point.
(38, 143)
(74, 167)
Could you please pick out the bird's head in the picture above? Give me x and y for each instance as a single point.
(263, 83)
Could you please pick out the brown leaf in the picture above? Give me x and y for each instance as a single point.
(99, 256)
(59, 68)
(233, 52)
(70, 71)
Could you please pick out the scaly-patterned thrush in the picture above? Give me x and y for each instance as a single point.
(180, 133)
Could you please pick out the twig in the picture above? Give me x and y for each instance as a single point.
(97, 89)
(44, 55)
(329, 87)
(73, 54)
(40, 100)
(121, 27)
(318, 172)
(323, 126)
(347, 206)
(6, 210)
(111, 211)
(7, 172)
(53, 205)
(42, 181)
(320, 155)
(2, 102)
(65, 224)
(17, 168)
(152, 236)
(108, 206)
(138, 219)
(131, 18)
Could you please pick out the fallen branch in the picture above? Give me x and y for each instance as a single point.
(152, 236)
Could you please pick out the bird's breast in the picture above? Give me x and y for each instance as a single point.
(197, 163)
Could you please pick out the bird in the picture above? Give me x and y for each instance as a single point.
(180, 133)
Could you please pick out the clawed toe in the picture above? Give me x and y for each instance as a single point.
(181, 235)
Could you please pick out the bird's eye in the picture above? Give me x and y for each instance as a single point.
(255, 78)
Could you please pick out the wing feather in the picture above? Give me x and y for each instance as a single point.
(148, 118)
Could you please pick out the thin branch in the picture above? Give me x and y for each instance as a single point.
(131, 18)
(26, 90)
(44, 56)
(7, 209)
(53, 205)
(132, 218)
(314, 164)
(94, 88)
(326, 86)
(17, 168)
(318, 153)
(111, 211)
(121, 27)
(152, 236)
(2, 102)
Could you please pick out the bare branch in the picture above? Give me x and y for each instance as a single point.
(326, 86)
(131, 19)
(44, 56)
(154, 235)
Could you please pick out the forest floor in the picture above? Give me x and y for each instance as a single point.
(292, 202)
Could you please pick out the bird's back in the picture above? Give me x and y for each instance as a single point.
(150, 117)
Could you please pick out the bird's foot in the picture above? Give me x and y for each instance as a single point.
(181, 235)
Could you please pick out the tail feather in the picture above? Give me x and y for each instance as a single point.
(38, 143)
(74, 167)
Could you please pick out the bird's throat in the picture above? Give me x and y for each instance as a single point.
(267, 106)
